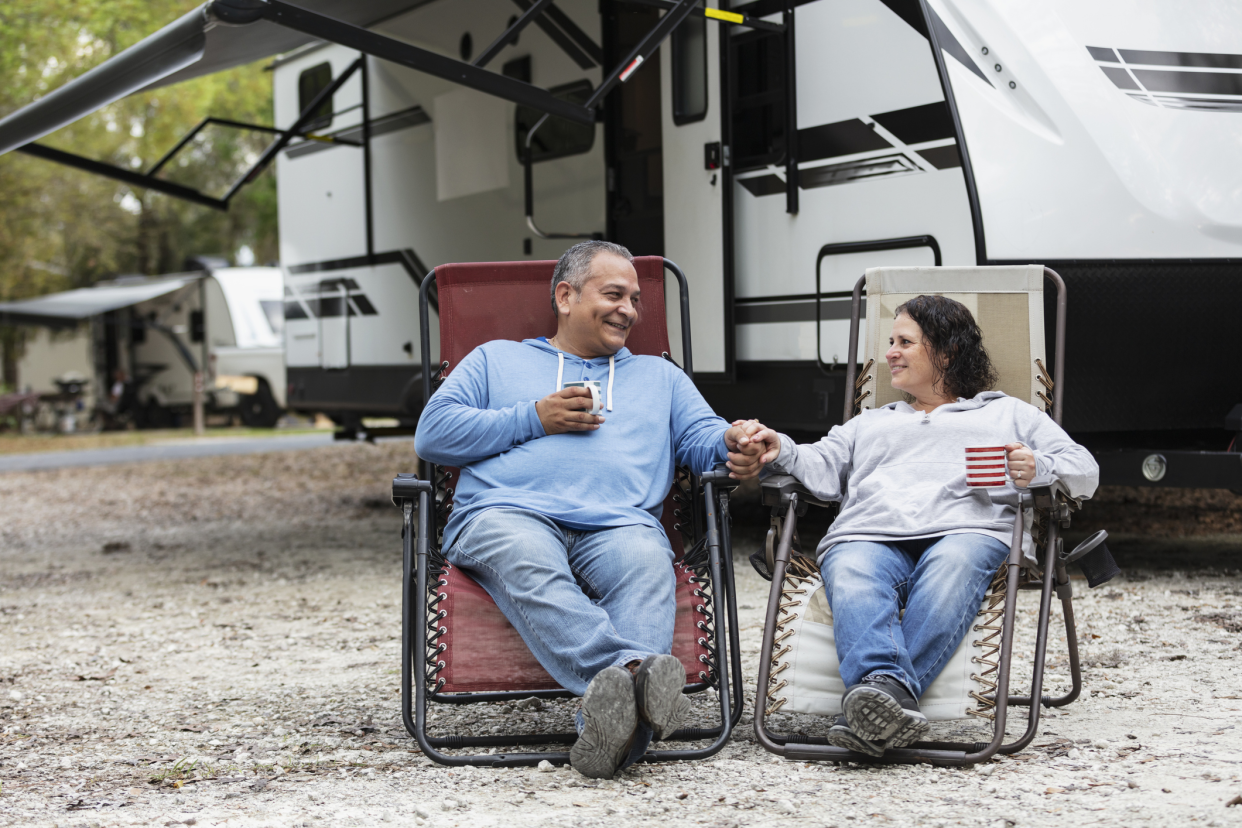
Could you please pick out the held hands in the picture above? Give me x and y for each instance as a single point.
(567, 410)
(751, 446)
(1021, 464)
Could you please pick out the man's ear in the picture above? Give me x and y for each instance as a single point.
(564, 290)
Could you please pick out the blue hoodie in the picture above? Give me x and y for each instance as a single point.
(483, 421)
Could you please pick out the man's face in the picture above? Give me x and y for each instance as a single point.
(598, 320)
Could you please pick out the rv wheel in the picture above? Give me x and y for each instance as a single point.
(259, 410)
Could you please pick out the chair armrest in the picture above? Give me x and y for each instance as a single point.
(407, 487)
(719, 477)
(776, 489)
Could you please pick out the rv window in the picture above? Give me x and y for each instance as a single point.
(274, 310)
(311, 82)
(690, 71)
(558, 137)
(758, 94)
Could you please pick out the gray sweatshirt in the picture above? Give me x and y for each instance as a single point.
(901, 473)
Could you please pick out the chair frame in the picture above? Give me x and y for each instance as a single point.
(1052, 510)
(422, 511)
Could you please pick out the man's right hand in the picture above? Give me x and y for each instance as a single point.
(567, 410)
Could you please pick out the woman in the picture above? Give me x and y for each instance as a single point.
(910, 534)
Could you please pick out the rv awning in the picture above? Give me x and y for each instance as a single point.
(72, 306)
(197, 44)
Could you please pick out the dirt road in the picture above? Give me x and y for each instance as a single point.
(216, 642)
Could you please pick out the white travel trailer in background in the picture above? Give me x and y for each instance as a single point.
(158, 332)
(774, 149)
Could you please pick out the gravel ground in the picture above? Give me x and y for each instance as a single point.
(216, 642)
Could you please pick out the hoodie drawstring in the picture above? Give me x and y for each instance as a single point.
(560, 374)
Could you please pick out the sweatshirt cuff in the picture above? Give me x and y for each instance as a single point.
(1043, 476)
(785, 460)
(529, 416)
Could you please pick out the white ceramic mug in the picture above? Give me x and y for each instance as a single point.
(593, 386)
(986, 466)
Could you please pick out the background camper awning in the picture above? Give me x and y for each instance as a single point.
(72, 306)
(197, 44)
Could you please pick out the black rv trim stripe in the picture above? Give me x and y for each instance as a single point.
(1193, 60)
(407, 258)
(918, 124)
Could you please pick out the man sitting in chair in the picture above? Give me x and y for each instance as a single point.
(557, 511)
(910, 556)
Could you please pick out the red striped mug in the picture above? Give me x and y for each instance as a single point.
(986, 466)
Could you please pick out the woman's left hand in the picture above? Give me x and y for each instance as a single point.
(1021, 464)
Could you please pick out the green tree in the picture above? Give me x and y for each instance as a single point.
(61, 228)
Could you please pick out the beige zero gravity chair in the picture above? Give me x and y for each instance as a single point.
(798, 668)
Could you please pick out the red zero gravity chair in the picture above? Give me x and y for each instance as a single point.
(457, 647)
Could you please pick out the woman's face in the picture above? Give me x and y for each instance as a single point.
(909, 360)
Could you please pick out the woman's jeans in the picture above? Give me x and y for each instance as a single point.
(940, 582)
(581, 600)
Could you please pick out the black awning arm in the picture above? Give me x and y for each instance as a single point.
(560, 38)
(134, 179)
(214, 121)
(642, 51)
(306, 116)
(148, 180)
(423, 60)
(508, 35)
(722, 15)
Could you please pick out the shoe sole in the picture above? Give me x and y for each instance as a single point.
(875, 716)
(609, 721)
(657, 690)
(843, 737)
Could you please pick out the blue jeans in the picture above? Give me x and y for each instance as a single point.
(939, 581)
(581, 600)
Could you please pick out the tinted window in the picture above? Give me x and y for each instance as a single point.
(690, 70)
(311, 82)
(558, 137)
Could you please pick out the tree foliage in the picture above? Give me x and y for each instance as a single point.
(62, 228)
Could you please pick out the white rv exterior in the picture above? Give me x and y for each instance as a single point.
(238, 345)
(1097, 135)
(774, 152)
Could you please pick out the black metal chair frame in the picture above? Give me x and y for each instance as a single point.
(705, 530)
(790, 500)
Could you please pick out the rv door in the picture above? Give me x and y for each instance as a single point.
(694, 188)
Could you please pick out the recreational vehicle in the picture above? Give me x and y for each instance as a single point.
(144, 340)
(774, 150)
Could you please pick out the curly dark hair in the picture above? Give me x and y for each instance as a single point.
(954, 343)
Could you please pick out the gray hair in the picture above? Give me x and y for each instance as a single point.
(574, 266)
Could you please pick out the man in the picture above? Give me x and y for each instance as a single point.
(557, 511)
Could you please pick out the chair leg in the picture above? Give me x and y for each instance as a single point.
(1041, 652)
(735, 649)
(721, 595)
(769, 741)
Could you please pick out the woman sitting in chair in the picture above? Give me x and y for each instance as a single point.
(911, 535)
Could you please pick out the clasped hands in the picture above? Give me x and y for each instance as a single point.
(750, 444)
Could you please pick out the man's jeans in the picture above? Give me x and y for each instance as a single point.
(581, 600)
(939, 581)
